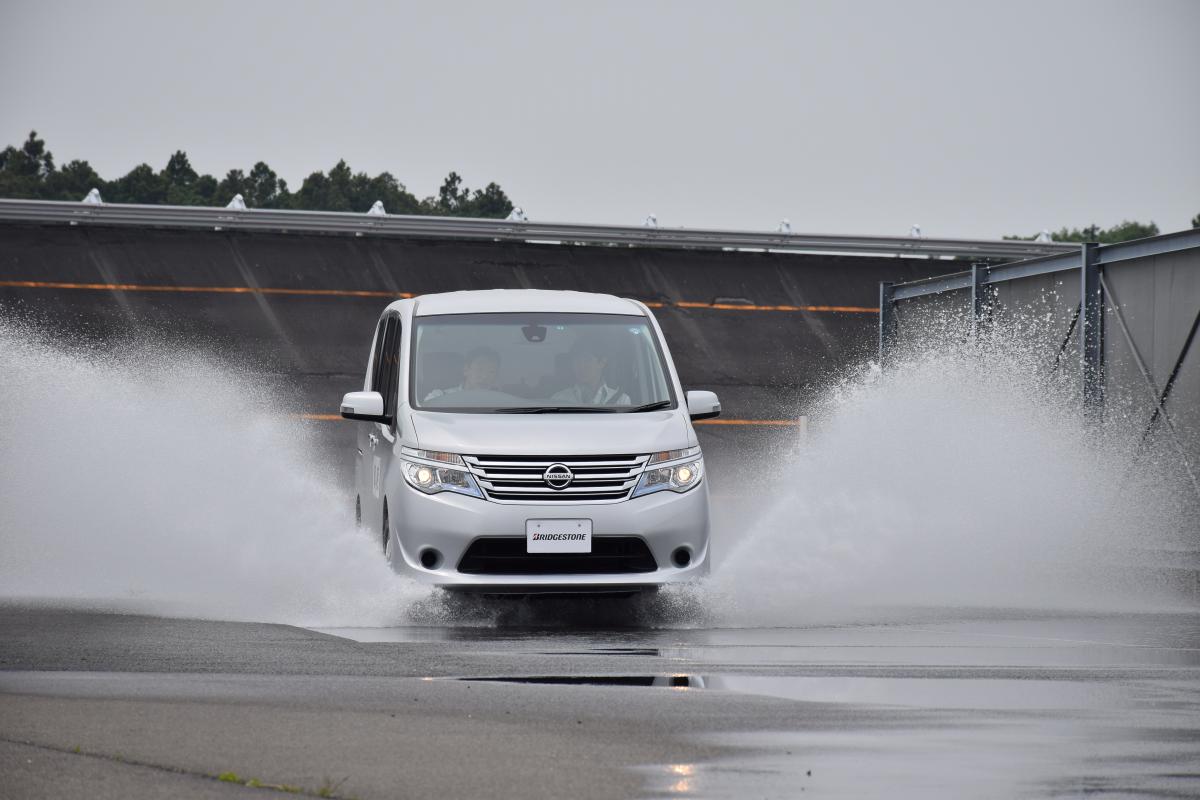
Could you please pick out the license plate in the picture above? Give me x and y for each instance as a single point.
(558, 536)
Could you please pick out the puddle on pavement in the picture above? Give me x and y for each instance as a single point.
(671, 681)
(1044, 644)
(605, 651)
(940, 693)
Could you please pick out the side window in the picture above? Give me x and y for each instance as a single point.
(392, 357)
(377, 357)
(386, 372)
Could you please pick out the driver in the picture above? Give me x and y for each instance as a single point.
(480, 371)
(588, 362)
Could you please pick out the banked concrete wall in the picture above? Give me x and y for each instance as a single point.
(763, 329)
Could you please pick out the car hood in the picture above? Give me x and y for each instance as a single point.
(551, 434)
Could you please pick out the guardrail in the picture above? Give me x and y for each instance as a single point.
(47, 212)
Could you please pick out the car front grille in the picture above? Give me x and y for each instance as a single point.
(519, 479)
(506, 555)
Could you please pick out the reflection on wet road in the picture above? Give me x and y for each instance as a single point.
(883, 703)
(941, 703)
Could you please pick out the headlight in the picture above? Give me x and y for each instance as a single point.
(677, 478)
(432, 478)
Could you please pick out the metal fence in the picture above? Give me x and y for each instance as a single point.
(461, 228)
(1128, 312)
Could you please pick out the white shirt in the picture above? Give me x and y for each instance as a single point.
(605, 396)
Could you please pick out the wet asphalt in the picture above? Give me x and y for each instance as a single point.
(877, 703)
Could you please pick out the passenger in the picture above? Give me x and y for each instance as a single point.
(480, 372)
(588, 361)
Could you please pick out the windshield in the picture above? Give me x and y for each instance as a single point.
(537, 363)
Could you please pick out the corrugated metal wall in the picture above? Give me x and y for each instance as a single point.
(1151, 308)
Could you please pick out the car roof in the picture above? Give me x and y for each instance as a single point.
(491, 301)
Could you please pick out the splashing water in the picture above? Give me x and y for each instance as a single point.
(959, 477)
(155, 480)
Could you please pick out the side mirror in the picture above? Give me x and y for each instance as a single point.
(703, 405)
(365, 406)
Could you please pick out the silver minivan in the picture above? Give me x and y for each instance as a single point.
(528, 441)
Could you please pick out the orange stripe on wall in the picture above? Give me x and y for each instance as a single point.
(748, 307)
(144, 287)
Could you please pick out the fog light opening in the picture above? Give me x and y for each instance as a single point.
(681, 557)
(430, 558)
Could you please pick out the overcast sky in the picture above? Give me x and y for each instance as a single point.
(970, 119)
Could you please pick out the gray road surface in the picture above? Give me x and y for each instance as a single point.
(896, 703)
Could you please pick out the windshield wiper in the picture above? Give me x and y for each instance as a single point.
(555, 410)
(648, 407)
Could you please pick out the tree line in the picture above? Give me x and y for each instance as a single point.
(29, 172)
(1122, 232)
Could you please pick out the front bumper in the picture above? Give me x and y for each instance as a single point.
(448, 523)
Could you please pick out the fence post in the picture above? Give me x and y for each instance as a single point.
(981, 304)
(1091, 329)
(887, 320)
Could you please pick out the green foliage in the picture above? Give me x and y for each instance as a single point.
(343, 190)
(1093, 233)
(28, 172)
(140, 185)
(330, 788)
(71, 182)
(455, 200)
(22, 171)
(265, 189)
